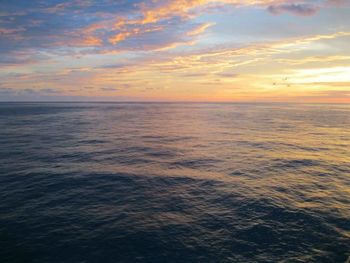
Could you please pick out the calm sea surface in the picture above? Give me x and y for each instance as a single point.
(127, 182)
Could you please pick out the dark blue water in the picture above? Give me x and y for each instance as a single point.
(98, 182)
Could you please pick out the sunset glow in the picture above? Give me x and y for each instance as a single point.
(180, 50)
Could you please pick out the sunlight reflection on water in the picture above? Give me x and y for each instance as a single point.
(160, 182)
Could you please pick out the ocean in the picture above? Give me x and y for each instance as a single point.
(174, 182)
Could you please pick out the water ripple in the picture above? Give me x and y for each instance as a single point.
(106, 182)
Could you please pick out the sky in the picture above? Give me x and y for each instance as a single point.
(179, 50)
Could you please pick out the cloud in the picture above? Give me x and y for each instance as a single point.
(297, 9)
(109, 89)
(314, 59)
(334, 93)
(199, 29)
(326, 96)
(227, 75)
(7, 91)
(37, 92)
(49, 91)
(330, 84)
(337, 3)
(136, 45)
(95, 27)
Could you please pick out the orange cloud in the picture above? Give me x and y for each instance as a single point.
(150, 14)
(132, 32)
(91, 41)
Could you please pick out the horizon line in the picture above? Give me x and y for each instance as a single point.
(175, 102)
